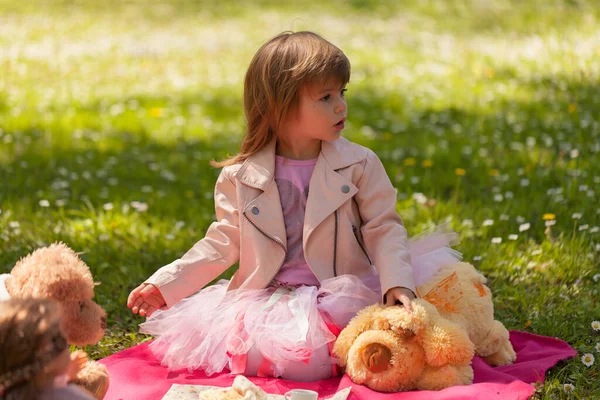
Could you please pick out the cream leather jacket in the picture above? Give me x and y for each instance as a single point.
(351, 225)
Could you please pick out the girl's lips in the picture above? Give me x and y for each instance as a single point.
(340, 125)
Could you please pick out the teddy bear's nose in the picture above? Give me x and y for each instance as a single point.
(103, 322)
(376, 357)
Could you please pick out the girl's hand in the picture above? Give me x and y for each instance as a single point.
(401, 295)
(78, 360)
(145, 299)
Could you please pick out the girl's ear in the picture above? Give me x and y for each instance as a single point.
(365, 320)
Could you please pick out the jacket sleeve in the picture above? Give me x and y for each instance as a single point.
(210, 256)
(383, 231)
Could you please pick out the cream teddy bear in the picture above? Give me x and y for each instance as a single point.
(390, 349)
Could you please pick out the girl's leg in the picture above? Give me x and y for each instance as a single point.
(318, 367)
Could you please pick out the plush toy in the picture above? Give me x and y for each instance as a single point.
(390, 349)
(57, 273)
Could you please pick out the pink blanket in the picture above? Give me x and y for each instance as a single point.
(136, 374)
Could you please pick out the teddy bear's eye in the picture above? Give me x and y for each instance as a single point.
(81, 306)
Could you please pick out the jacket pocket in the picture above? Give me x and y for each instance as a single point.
(354, 230)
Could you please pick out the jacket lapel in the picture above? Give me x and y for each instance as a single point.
(327, 188)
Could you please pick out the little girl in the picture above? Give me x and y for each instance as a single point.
(35, 361)
(312, 220)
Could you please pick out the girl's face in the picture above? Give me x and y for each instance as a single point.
(320, 115)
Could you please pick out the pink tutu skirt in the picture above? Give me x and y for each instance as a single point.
(215, 329)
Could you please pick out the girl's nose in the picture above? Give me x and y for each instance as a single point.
(340, 107)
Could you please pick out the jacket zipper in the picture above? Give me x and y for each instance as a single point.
(273, 239)
(360, 244)
(335, 245)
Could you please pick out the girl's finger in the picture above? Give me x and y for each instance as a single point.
(147, 290)
(406, 301)
(150, 311)
(143, 308)
(134, 295)
(136, 304)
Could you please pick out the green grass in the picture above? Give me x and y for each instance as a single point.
(104, 104)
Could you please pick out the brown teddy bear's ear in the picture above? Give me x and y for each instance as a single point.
(364, 320)
(445, 342)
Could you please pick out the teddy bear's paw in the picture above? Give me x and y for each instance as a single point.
(505, 356)
(94, 378)
(496, 348)
(376, 357)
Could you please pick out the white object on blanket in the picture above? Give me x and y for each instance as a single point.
(192, 392)
(249, 390)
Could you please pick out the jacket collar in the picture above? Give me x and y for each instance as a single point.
(259, 169)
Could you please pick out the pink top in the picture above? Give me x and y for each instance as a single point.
(293, 178)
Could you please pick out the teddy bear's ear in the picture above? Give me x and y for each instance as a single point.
(365, 319)
(445, 342)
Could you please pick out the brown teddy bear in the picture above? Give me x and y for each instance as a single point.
(56, 272)
(390, 350)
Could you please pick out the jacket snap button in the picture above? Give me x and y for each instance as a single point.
(255, 210)
(345, 188)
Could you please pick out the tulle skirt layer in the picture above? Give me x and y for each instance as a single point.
(213, 328)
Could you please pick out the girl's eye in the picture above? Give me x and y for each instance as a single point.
(327, 96)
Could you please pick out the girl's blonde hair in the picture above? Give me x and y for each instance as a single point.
(276, 73)
(30, 338)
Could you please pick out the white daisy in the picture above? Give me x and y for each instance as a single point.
(513, 237)
(598, 347)
(497, 240)
(568, 388)
(44, 203)
(587, 359)
(596, 325)
(108, 206)
(596, 277)
(576, 216)
(488, 222)
(524, 227)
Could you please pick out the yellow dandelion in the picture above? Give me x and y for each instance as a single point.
(410, 162)
(460, 172)
(527, 324)
(427, 163)
(156, 112)
(387, 136)
(489, 72)
(494, 172)
(189, 194)
(549, 217)
(572, 108)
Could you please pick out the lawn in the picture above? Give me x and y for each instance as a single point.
(485, 113)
